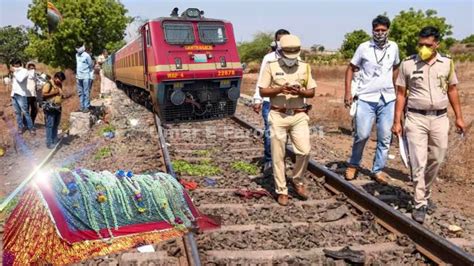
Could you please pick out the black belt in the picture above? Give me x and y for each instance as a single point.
(429, 112)
(289, 111)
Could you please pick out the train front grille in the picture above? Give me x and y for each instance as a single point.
(204, 100)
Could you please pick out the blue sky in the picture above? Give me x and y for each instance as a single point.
(316, 22)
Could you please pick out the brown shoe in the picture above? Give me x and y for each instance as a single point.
(300, 189)
(351, 173)
(381, 178)
(282, 199)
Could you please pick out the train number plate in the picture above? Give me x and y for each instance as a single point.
(200, 58)
(223, 73)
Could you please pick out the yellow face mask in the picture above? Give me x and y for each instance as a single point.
(425, 53)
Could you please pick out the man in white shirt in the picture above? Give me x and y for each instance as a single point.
(31, 94)
(378, 61)
(19, 97)
(264, 105)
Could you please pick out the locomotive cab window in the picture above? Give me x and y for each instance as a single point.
(212, 33)
(148, 38)
(178, 33)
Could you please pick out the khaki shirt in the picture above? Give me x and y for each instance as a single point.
(49, 87)
(276, 74)
(427, 84)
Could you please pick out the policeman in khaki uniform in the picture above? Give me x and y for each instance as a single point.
(287, 81)
(426, 84)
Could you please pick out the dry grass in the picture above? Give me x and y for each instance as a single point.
(331, 73)
(459, 157)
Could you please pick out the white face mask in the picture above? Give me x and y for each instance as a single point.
(288, 61)
(81, 49)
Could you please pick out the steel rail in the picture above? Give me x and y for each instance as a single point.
(190, 243)
(433, 246)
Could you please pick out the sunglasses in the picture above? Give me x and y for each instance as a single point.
(291, 50)
(429, 45)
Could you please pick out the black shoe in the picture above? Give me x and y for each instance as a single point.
(267, 169)
(346, 253)
(86, 110)
(50, 146)
(431, 207)
(21, 131)
(419, 214)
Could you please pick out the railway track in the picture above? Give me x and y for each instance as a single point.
(259, 231)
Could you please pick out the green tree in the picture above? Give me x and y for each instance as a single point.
(256, 49)
(13, 42)
(99, 23)
(352, 40)
(317, 48)
(407, 24)
(468, 39)
(449, 42)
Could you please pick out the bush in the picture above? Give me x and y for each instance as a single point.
(256, 49)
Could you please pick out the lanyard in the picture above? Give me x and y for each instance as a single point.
(383, 56)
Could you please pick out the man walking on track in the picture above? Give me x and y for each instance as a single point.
(426, 84)
(264, 104)
(288, 81)
(378, 61)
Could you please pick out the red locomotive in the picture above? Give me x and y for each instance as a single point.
(186, 67)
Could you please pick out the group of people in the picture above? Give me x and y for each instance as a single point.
(31, 90)
(409, 97)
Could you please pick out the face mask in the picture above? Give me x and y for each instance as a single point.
(278, 45)
(380, 38)
(425, 53)
(289, 62)
(81, 49)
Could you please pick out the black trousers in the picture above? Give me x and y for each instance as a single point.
(32, 109)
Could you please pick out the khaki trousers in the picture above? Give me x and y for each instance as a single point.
(427, 137)
(296, 126)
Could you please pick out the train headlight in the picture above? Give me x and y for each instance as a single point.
(233, 94)
(223, 62)
(193, 12)
(178, 97)
(178, 63)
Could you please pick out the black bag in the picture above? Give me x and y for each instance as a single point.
(50, 107)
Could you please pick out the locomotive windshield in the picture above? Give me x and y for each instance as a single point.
(178, 33)
(211, 33)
